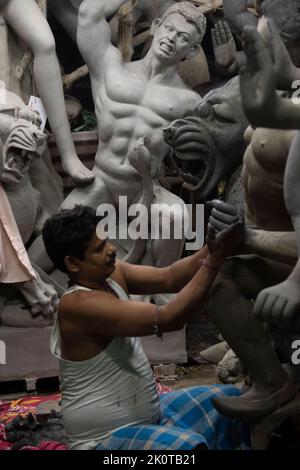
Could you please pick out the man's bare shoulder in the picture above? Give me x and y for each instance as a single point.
(76, 302)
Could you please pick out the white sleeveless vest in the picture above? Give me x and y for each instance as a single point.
(113, 389)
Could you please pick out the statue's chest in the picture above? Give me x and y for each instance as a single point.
(165, 102)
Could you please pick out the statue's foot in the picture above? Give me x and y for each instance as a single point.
(250, 409)
(77, 171)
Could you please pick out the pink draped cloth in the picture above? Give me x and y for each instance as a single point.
(15, 265)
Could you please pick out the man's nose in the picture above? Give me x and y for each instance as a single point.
(111, 249)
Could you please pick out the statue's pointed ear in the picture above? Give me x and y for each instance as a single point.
(155, 24)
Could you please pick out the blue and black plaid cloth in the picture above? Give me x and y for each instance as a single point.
(188, 420)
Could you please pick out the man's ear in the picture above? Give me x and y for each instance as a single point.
(71, 264)
(155, 24)
(192, 52)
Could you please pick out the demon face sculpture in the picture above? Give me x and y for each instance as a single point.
(21, 141)
(210, 145)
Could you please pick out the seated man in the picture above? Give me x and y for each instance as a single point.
(109, 398)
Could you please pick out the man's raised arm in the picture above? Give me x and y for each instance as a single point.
(93, 32)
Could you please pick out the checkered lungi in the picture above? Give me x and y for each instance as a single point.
(188, 420)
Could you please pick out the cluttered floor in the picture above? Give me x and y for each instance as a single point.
(32, 421)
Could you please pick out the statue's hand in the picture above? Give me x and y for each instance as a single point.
(41, 297)
(258, 81)
(280, 305)
(225, 228)
(223, 44)
(284, 67)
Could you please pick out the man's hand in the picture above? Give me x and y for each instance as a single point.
(225, 228)
(223, 45)
(280, 305)
(258, 81)
(41, 297)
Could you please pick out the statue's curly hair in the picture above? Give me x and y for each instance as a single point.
(191, 13)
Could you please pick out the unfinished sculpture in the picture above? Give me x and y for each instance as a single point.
(278, 304)
(209, 146)
(21, 143)
(136, 100)
(245, 277)
(35, 31)
(263, 105)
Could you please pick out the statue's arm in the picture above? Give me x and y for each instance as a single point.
(277, 246)
(263, 106)
(237, 14)
(94, 33)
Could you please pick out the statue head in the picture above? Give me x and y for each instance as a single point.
(179, 33)
(21, 140)
(216, 139)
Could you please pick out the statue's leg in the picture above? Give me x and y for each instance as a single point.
(92, 195)
(33, 28)
(171, 207)
(232, 313)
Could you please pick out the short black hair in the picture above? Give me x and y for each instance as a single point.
(69, 233)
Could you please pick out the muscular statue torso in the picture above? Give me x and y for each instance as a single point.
(264, 165)
(128, 107)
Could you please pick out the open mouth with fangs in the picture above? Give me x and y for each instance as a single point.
(195, 173)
